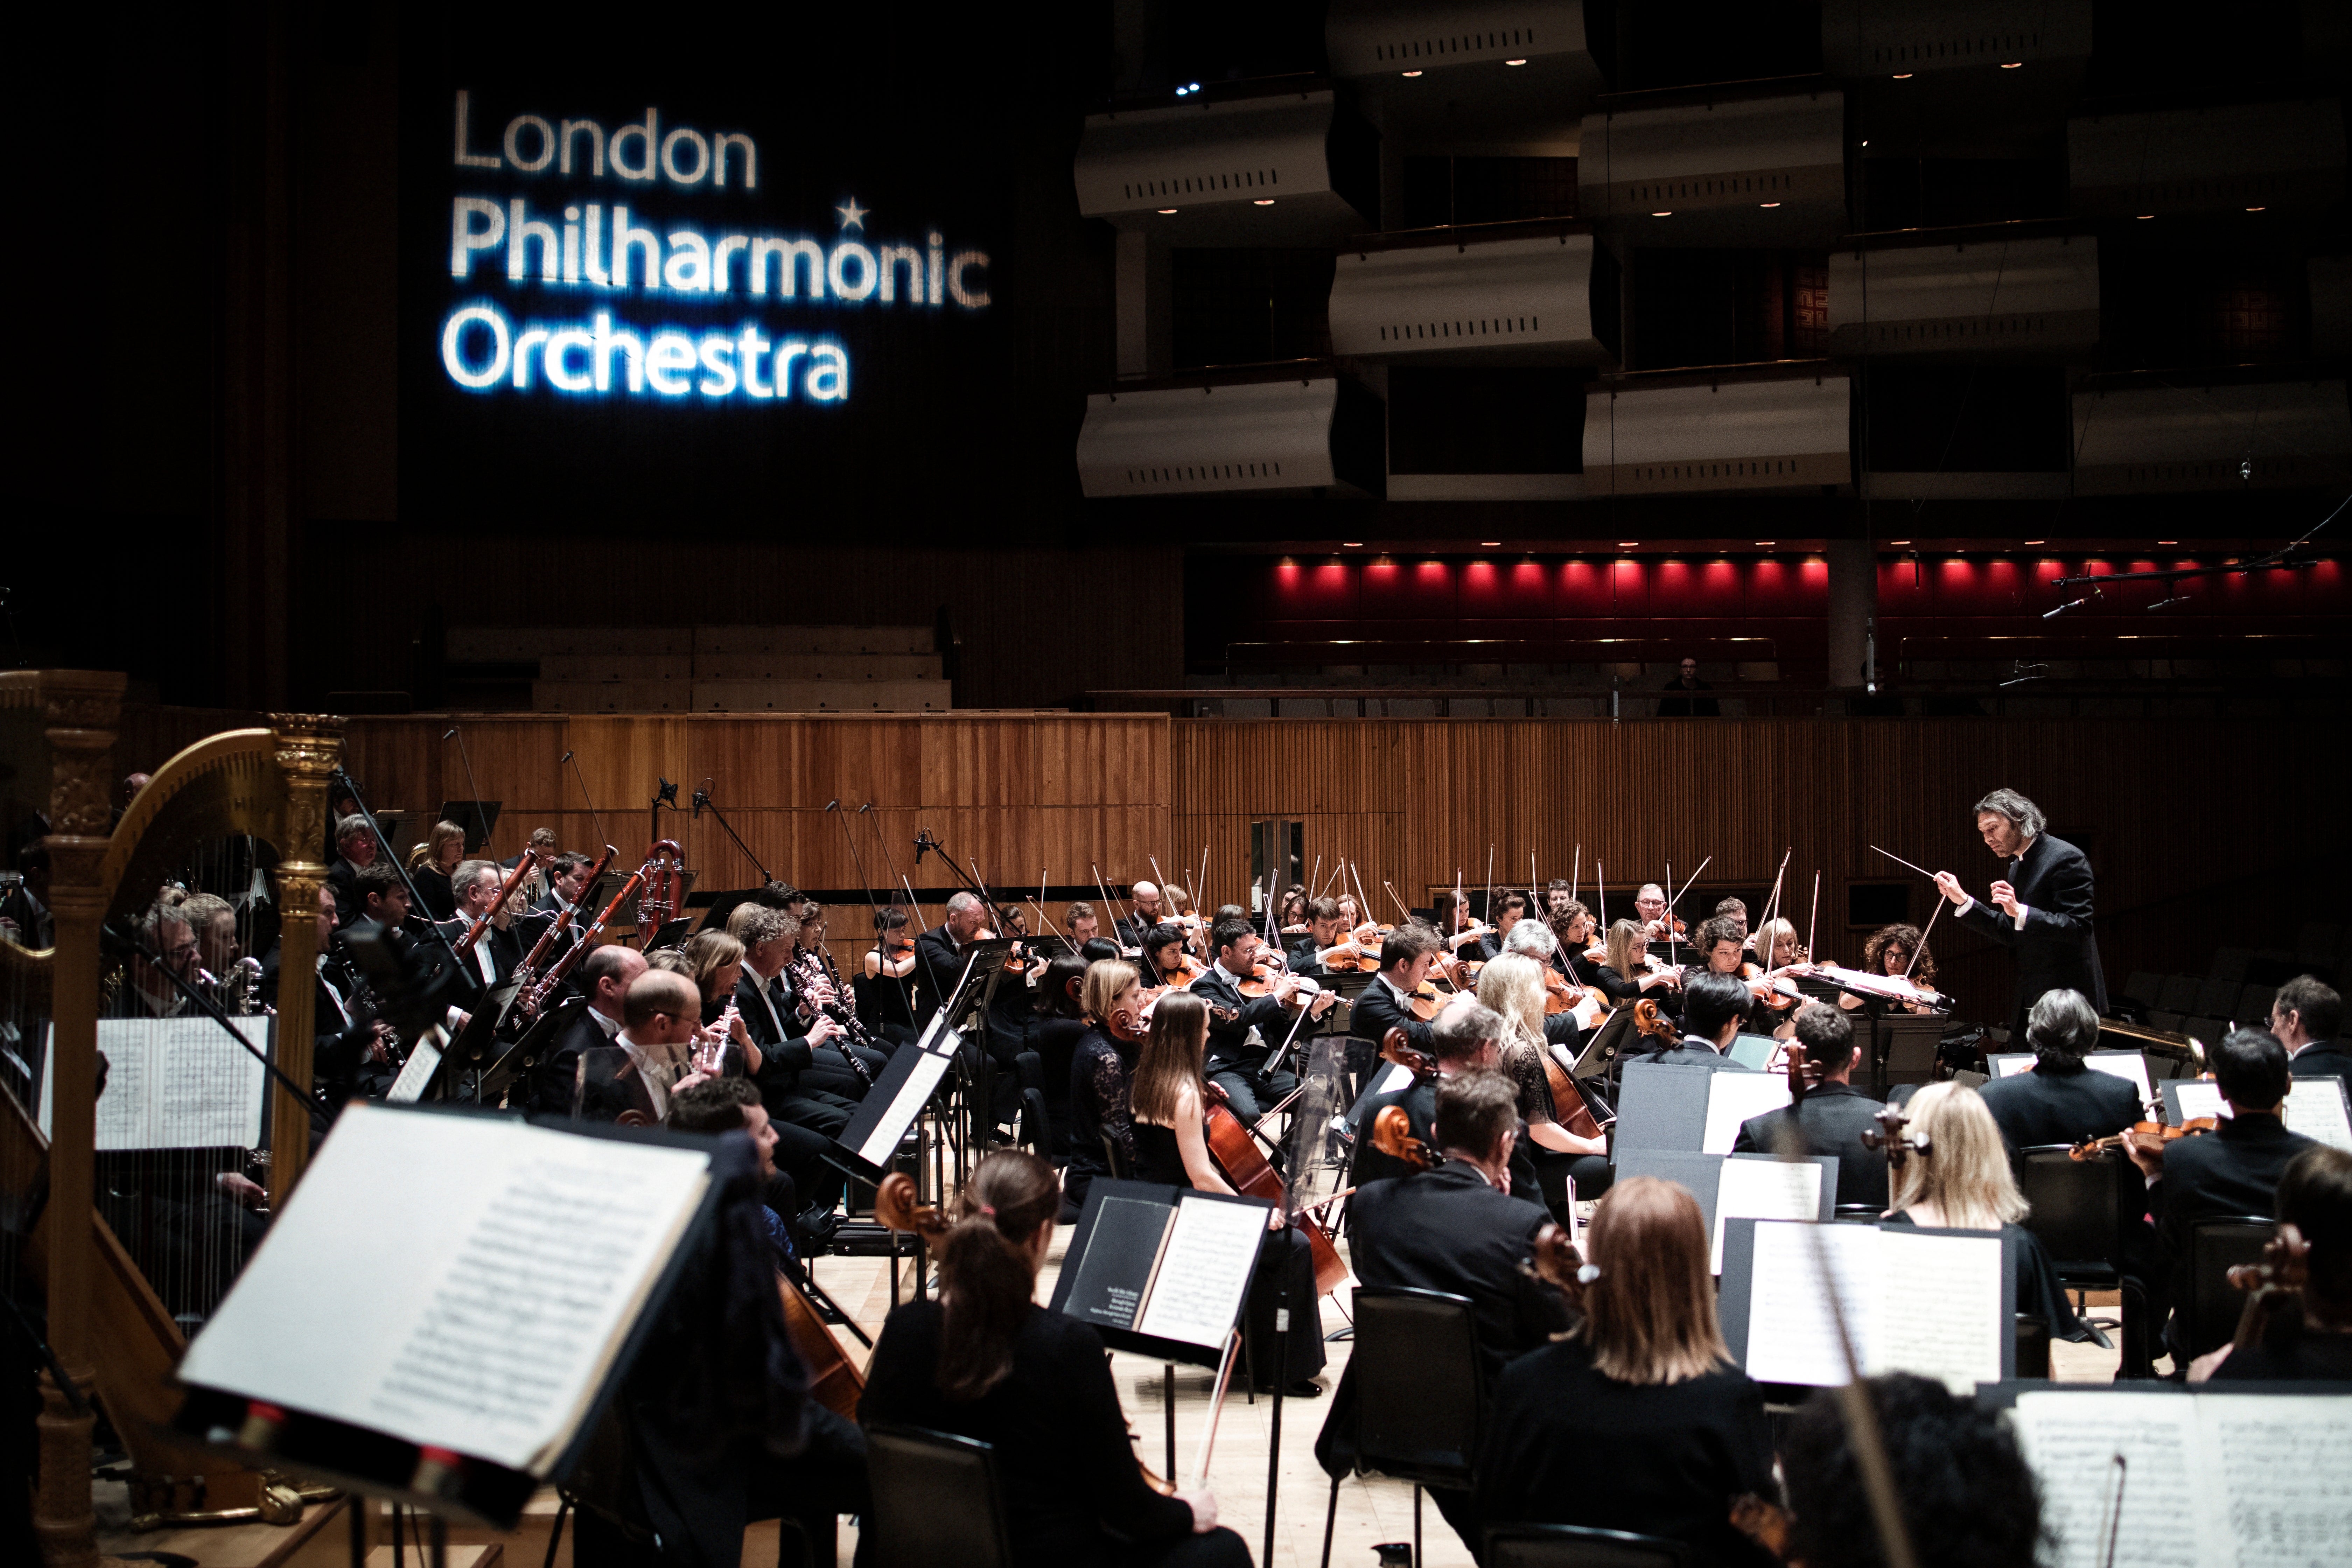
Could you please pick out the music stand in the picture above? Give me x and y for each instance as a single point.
(1902, 1047)
(672, 933)
(524, 1053)
(476, 816)
(717, 906)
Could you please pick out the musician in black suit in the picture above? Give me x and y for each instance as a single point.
(2043, 909)
(771, 1014)
(1465, 1039)
(1325, 942)
(1234, 1063)
(939, 953)
(348, 1048)
(567, 882)
(1407, 954)
(2062, 1101)
(2227, 1173)
(606, 976)
(355, 849)
(2306, 1016)
(1457, 1229)
(1715, 1006)
(1834, 1114)
(500, 952)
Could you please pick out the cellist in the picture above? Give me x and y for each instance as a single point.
(1169, 1100)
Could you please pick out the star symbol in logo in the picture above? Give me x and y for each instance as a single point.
(853, 215)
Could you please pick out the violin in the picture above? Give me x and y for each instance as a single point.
(1553, 1258)
(1180, 975)
(2156, 1130)
(1245, 1170)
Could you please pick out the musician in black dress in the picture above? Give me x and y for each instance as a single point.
(985, 1362)
(1102, 1064)
(1169, 1100)
(1626, 977)
(2042, 910)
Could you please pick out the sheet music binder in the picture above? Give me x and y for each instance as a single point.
(1117, 1259)
(267, 1425)
(1702, 1175)
(908, 1081)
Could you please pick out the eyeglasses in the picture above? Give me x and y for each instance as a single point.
(180, 954)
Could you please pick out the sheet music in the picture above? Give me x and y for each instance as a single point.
(174, 1083)
(2008, 1064)
(1732, 1098)
(929, 1067)
(452, 1280)
(1204, 1268)
(2286, 1496)
(2313, 1106)
(2129, 1066)
(2071, 1439)
(1793, 1334)
(1942, 1313)
(418, 1071)
(1765, 1189)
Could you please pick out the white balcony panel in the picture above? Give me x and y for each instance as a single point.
(1262, 437)
(2177, 163)
(1995, 297)
(2271, 435)
(1733, 437)
(1458, 55)
(1759, 172)
(1492, 302)
(1214, 162)
(1884, 38)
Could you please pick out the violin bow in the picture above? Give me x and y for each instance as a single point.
(1816, 915)
(1923, 939)
(1601, 886)
(1216, 1408)
(1671, 961)
(1387, 887)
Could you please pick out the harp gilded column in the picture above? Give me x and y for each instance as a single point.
(310, 748)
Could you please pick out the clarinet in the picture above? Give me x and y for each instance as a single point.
(806, 971)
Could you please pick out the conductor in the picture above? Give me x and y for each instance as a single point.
(2043, 909)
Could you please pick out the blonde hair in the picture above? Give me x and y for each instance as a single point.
(708, 953)
(1513, 986)
(1173, 1056)
(1106, 978)
(1965, 1171)
(1768, 939)
(429, 852)
(1622, 938)
(1649, 1314)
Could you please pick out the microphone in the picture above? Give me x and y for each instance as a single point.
(701, 799)
(453, 729)
(564, 758)
(832, 805)
(2069, 605)
(922, 846)
(866, 807)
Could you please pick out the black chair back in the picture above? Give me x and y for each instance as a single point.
(2033, 1346)
(1419, 1383)
(1575, 1546)
(934, 1500)
(2076, 1213)
(2211, 1305)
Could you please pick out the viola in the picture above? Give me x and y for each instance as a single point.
(1245, 1170)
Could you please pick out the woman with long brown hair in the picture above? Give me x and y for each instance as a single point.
(1637, 1419)
(985, 1362)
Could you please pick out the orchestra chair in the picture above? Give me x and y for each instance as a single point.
(2033, 1346)
(1579, 1546)
(2210, 1303)
(934, 1501)
(1420, 1394)
(2077, 1215)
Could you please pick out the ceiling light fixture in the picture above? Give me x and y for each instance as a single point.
(1166, 212)
(1490, 544)
(2258, 209)
(1667, 214)
(1351, 544)
(1262, 202)
(1412, 73)
(1902, 76)
(1628, 544)
(1515, 63)
(2012, 65)
(1766, 541)
(1767, 204)
(2145, 216)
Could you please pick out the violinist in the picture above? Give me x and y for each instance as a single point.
(1467, 1037)
(1233, 1062)
(1455, 1229)
(1962, 1181)
(1737, 908)
(1455, 923)
(1180, 910)
(2311, 1337)
(1509, 910)
(889, 970)
(1513, 987)
(2062, 1101)
(1290, 910)
(1717, 948)
(1327, 946)
(1833, 1115)
(1572, 930)
(985, 1362)
(1628, 975)
(939, 951)
(1145, 909)
(1407, 954)
(1102, 1064)
(1714, 1008)
(1649, 909)
(1558, 896)
(2306, 1015)
(1167, 1099)
(1639, 1420)
(2232, 1170)
(1888, 952)
(1165, 962)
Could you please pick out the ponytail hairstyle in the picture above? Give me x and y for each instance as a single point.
(985, 1280)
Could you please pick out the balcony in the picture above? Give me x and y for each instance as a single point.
(1754, 430)
(2284, 157)
(1984, 295)
(1303, 431)
(2155, 433)
(1424, 64)
(1743, 168)
(1968, 77)
(1460, 300)
(1291, 167)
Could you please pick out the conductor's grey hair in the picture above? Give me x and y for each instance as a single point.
(2008, 803)
(1531, 938)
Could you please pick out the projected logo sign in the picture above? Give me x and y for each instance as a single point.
(587, 262)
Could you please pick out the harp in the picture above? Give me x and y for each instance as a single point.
(245, 810)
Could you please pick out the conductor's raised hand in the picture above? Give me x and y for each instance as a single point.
(1949, 886)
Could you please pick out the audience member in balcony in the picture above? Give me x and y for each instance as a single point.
(2307, 1018)
(1679, 704)
(430, 865)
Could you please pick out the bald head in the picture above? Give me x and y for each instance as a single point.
(661, 1008)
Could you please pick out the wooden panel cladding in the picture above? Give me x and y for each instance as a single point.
(1016, 792)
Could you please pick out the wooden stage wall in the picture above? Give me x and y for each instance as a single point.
(2183, 824)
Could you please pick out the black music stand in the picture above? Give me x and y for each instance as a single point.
(526, 1051)
(672, 933)
(476, 816)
